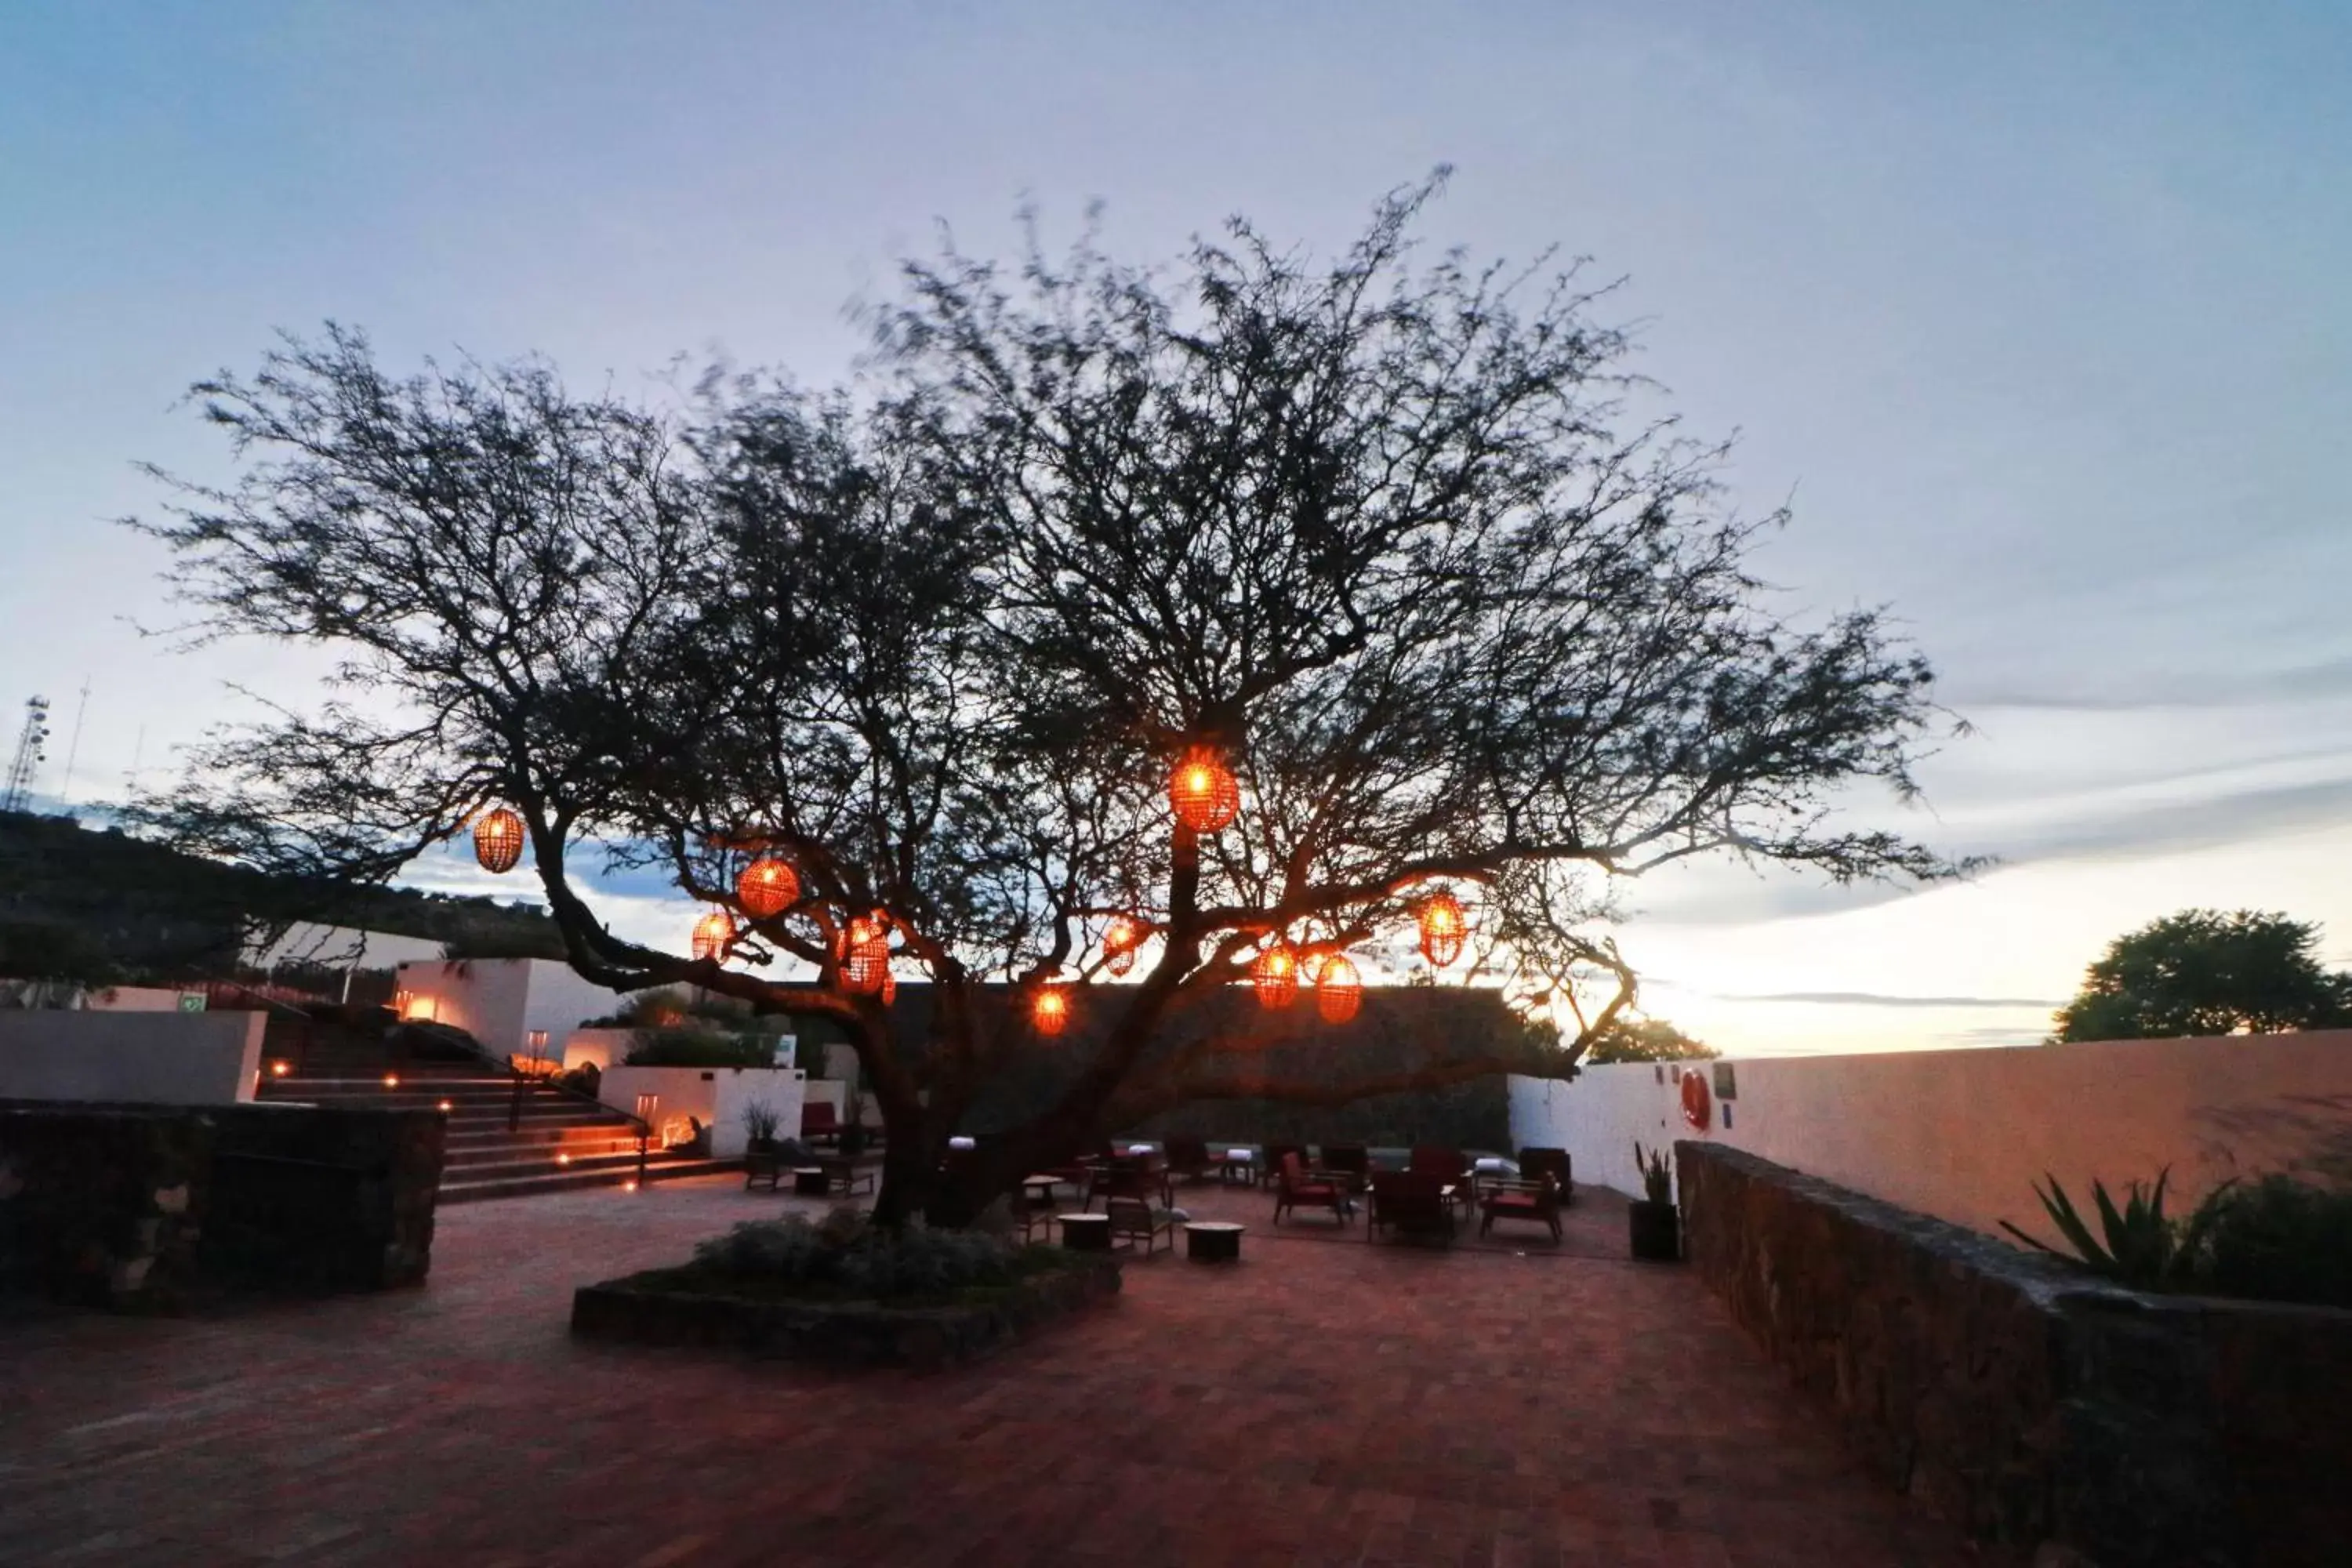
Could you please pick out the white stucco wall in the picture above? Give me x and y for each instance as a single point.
(599, 1049)
(1963, 1134)
(141, 999)
(716, 1095)
(151, 1058)
(499, 1001)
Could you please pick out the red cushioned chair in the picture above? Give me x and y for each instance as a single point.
(1535, 1165)
(1450, 1166)
(1538, 1201)
(1412, 1203)
(1294, 1187)
(819, 1123)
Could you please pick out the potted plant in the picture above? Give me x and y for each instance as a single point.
(1653, 1223)
(762, 1155)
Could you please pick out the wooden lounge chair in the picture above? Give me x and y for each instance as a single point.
(1413, 1203)
(1450, 1166)
(1353, 1162)
(820, 1123)
(1295, 1187)
(1538, 1201)
(1188, 1157)
(1272, 1159)
(1537, 1163)
(1138, 1220)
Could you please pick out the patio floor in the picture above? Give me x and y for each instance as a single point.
(1326, 1401)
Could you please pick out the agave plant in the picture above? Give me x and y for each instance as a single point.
(2138, 1247)
(1657, 1176)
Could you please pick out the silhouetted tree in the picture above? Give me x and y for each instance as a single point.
(1645, 1040)
(1368, 531)
(2202, 971)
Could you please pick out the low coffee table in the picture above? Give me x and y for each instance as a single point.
(1085, 1232)
(1212, 1241)
(809, 1181)
(1241, 1172)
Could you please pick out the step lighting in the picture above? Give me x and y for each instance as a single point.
(447, 1106)
(392, 1080)
(563, 1159)
(279, 1069)
(628, 1186)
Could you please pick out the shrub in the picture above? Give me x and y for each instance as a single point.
(2278, 1239)
(697, 1048)
(2137, 1246)
(918, 1261)
(789, 1250)
(761, 1121)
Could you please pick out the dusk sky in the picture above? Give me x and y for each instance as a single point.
(2039, 320)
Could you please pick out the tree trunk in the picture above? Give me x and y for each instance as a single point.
(908, 1168)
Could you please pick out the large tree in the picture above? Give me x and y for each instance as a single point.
(1368, 533)
(2202, 971)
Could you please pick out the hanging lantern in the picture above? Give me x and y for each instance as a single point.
(497, 840)
(1275, 972)
(1443, 928)
(1203, 792)
(865, 957)
(767, 888)
(712, 932)
(1339, 989)
(1121, 939)
(1049, 1010)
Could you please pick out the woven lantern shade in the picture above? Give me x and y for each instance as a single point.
(1443, 928)
(767, 888)
(1339, 989)
(497, 840)
(1275, 972)
(1204, 793)
(1121, 939)
(1049, 1010)
(712, 932)
(865, 958)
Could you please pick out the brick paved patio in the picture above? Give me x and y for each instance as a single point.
(1327, 1402)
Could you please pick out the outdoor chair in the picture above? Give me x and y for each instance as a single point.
(1188, 1157)
(819, 1122)
(1294, 1187)
(1538, 1201)
(1273, 1157)
(1450, 1166)
(1352, 1162)
(1031, 1213)
(1132, 1176)
(1412, 1203)
(1137, 1220)
(1537, 1163)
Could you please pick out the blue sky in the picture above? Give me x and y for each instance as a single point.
(2038, 318)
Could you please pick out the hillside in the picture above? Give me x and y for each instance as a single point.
(78, 903)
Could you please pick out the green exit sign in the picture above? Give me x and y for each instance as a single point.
(192, 1001)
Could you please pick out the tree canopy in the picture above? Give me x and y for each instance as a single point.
(1645, 1040)
(1370, 534)
(2202, 971)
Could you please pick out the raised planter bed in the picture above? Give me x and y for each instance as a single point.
(681, 1307)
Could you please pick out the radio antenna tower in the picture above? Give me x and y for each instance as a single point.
(30, 754)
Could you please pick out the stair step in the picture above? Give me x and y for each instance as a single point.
(472, 1191)
(538, 1154)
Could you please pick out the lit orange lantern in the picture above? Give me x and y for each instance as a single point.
(767, 888)
(1050, 1009)
(864, 956)
(1275, 972)
(712, 932)
(1204, 793)
(497, 840)
(1443, 928)
(889, 988)
(1121, 939)
(1339, 989)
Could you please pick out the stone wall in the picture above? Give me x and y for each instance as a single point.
(140, 1206)
(2022, 1399)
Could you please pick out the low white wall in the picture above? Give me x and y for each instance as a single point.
(499, 1001)
(1964, 1134)
(151, 1058)
(143, 999)
(716, 1095)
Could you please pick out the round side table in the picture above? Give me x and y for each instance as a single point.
(1213, 1241)
(1085, 1232)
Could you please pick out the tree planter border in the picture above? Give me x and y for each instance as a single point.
(840, 1333)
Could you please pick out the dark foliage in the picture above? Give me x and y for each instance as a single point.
(2202, 971)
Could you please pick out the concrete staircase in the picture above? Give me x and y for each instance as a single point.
(560, 1140)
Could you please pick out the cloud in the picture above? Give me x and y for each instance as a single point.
(2133, 834)
(1876, 999)
(2200, 689)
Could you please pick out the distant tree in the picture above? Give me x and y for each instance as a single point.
(1370, 533)
(2202, 971)
(1645, 1040)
